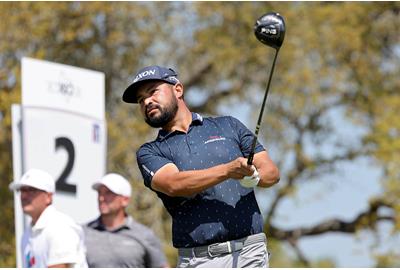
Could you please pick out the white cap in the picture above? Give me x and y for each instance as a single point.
(37, 179)
(116, 183)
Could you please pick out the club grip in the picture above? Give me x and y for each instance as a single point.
(250, 159)
(253, 145)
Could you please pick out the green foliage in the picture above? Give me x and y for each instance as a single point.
(391, 259)
(335, 55)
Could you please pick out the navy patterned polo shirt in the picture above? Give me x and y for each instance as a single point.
(226, 211)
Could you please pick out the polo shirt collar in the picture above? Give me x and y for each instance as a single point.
(44, 218)
(196, 119)
(97, 224)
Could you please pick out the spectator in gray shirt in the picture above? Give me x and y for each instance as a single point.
(115, 239)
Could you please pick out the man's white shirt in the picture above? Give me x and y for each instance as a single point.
(55, 239)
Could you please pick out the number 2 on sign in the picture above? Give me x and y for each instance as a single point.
(61, 183)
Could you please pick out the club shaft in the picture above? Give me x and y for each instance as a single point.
(253, 146)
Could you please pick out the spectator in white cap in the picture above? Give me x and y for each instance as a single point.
(53, 239)
(115, 239)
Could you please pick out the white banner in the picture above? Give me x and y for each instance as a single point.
(62, 87)
(72, 149)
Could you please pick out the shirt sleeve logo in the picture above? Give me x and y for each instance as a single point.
(148, 170)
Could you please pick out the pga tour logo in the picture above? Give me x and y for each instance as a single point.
(144, 74)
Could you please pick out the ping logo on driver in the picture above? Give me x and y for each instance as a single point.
(269, 31)
(144, 74)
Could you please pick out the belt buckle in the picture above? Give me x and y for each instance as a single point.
(209, 252)
(218, 253)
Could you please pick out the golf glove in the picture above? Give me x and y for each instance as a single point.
(250, 181)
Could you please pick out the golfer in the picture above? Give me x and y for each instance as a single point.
(197, 167)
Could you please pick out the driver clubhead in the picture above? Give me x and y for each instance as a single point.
(270, 29)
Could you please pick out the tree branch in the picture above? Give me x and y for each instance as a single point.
(300, 254)
(202, 70)
(367, 219)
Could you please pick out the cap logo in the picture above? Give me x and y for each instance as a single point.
(173, 78)
(144, 74)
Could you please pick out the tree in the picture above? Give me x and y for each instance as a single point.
(336, 56)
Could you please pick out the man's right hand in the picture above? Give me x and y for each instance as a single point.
(238, 168)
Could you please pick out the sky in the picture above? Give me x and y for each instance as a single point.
(333, 198)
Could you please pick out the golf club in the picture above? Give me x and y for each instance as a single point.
(270, 30)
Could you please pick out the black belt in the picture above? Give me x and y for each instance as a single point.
(217, 249)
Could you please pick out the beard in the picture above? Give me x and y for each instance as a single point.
(166, 115)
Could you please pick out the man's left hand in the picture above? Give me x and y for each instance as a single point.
(250, 181)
